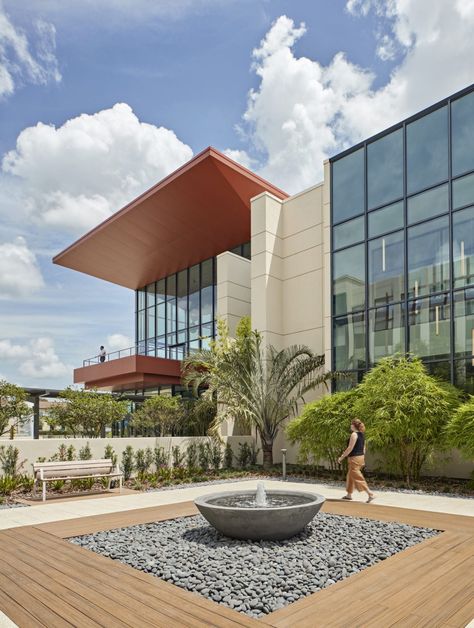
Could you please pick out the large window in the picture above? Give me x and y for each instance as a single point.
(385, 169)
(176, 314)
(403, 244)
(386, 269)
(349, 280)
(386, 332)
(427, 150)
(428, 257)
(348, 186)
(463, 247)
(462, 124)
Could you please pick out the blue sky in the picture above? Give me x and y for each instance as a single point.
(279, 85)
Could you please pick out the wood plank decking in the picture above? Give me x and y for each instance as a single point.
(47, 581)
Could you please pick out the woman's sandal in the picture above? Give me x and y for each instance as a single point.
(347, 498)
(371, 499)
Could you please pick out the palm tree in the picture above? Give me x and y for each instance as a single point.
(260, 386)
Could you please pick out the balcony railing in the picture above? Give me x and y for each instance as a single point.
(177, 352)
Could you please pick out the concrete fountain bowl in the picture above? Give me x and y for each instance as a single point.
(237, 515)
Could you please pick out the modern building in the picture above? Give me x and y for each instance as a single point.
(375, 259)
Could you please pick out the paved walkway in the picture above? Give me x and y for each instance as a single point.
(58, 511)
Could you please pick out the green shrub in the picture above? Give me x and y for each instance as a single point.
(244, 456)
(216, 455)
(161, 457)
(204, 456)
(71, 453)
(127, 465)
(140, 463)
(405, 409)
(178, 456)
(109, 454)
(85, 452)
(228, 456)
(9, 484)
(323, 428)
(9, 460)
(254, 451)
(460, 429)
(191, 455)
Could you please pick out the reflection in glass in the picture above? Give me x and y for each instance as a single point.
(171, 315)
(150, 294)
(429, 326)
(207, 281)
(160, 321)
(348, 233)
(386, 332)
(464, 375)
(194, 295)
(141, 325)
(161, 291)
(464, 322)
(428, 257)
(182, 299)
(386, 219)
(427, 150)
(386, 269)
(462, 125)
(171, 287)
(348, 186)
(349, 381)
(349, 280)
(440, 370)
(385, 169)
(150, 322)
(463, 191)
(428, 204)
(349, 341)
(141, 298)
(463, 247)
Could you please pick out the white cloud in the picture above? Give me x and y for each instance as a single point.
(115, 342)
(303, 111)
(17, 61)
(20, 275)
(36, 359)
(78, 174)
(241, 157)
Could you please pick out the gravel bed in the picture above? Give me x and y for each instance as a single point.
(253, 577)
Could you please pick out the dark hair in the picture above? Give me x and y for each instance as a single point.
(360, 427)
(101, 346)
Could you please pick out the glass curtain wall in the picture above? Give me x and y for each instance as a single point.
(177, 314)
(403, 245)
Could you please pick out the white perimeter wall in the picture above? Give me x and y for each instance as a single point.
(31, 450)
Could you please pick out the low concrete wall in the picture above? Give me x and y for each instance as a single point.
(31, 450)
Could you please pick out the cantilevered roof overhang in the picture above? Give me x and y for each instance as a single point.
(197, 212)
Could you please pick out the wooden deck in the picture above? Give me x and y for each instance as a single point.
(47, 581)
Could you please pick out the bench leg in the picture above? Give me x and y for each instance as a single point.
(44, 491)
(120, 484)
(34, 487)
(109, 483)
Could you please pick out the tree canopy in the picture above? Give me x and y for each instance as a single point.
(322, 429)
(160, 413)
(405, 410)
(86, 412)
(14, 411)
(256, 384)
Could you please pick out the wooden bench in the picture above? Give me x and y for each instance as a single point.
(74, 470)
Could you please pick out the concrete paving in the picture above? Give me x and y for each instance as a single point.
(72, 509)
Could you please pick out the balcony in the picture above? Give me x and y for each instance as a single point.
(129, 369)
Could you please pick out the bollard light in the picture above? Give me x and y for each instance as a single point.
(283, 464)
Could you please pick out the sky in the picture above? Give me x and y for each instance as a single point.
(101, 100)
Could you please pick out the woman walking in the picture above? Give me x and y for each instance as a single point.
(355, 454)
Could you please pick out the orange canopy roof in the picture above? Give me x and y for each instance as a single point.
(197, 212)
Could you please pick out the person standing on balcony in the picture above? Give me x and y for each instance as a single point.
(355, 454)
(102, 353)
